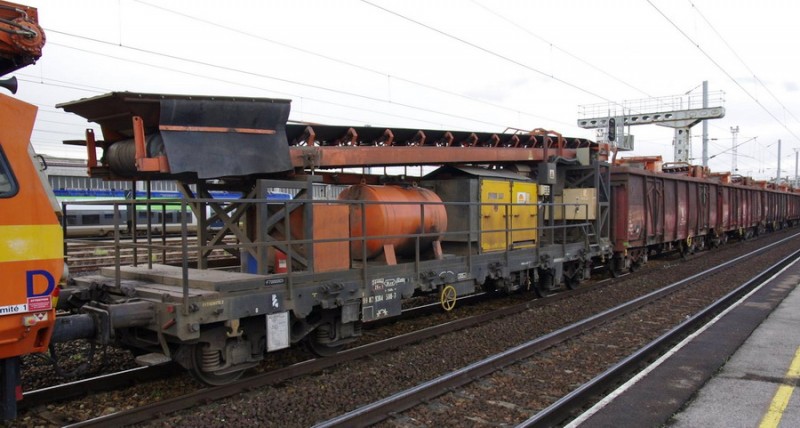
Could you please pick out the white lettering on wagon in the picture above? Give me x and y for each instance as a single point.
(13, 309)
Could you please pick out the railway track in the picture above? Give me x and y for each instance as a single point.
(309, 367)
(281, 376)
(112, 381)
(125, 378)
(91, 255)
(558, 412)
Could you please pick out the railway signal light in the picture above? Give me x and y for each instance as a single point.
(612, 129)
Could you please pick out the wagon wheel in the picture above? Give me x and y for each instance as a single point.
(448, 297)
(612, 269)
(685, 248)
(571, 276)
(530, 285)
(321, 341)
(322, 349)
(572, 282)
(200, 353)
(537, 290)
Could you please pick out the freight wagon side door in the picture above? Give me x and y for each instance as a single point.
(693, 215)
(671, 210)
(683, 205)
(655, 210)
(767, 202)
(523, 214)
(495, 195)
(724, 208)
(713, 203)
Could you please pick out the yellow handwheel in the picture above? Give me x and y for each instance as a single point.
(689, 241)
(447, 297)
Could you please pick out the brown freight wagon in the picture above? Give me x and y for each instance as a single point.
(655, 212)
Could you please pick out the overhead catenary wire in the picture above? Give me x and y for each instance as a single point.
(353, 106)
(490, 52)
(558, 48)
(107, 90)
(722, 69)
(341, 61)
(260, 75)
(741, 60)
(731, 148)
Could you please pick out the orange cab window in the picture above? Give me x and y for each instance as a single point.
(8, 186)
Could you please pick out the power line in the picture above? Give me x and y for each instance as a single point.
(344, 62)
(489, 51)
(260, 75)
(553, 45)
(696, 9)
(736, 82)
(67, 85)
(346, 119)
(731, 148)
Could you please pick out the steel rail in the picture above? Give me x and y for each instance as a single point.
(147, 412)
(201, 397)
(121, 379)
(575, 400)
(102, 383)
(401, 401)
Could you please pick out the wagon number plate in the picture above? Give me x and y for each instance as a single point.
(277, 331)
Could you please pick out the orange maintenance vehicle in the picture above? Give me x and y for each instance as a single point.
(31, 241)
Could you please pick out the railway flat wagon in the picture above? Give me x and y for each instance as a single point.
(497, 212)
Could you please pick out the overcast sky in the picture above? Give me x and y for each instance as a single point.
(467, 65)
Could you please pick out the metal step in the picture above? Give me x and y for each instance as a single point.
(152, 359)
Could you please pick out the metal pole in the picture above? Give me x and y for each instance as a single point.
(705, 125)
(734, 131)
(778, 175)
(796, 153)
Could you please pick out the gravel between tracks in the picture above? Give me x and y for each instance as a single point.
(304, 401)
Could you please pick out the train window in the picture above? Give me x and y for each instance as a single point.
(8, 185)
(72, 219)
(91, 219)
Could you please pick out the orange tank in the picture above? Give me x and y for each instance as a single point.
(402, 214)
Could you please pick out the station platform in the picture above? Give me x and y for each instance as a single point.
(740, 370)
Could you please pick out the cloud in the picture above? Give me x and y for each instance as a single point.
(791, 86)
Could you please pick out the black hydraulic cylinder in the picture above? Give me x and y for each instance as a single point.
(73, 327)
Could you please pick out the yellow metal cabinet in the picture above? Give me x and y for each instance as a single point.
(497, 198)
(495, 195)
(523, 213)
